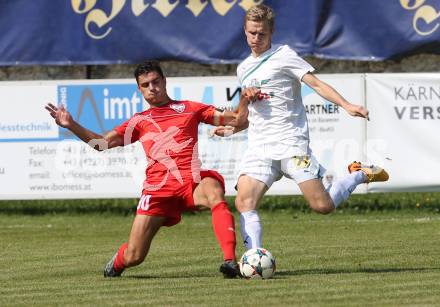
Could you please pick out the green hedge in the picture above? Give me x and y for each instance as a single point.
(35, 207)
(357, 203)
(364, 202)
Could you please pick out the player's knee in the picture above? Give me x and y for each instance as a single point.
(326, 210)
(217, 195)
(245, 203)
(214, 193)
(322, 207)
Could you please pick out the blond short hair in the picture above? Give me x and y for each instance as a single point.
(260, 13)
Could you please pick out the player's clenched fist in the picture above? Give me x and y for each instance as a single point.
(357, 110)
(252, 94)
(223, 131)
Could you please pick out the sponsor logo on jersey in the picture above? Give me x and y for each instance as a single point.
(265, 81)
(178, 107)
(254, 83)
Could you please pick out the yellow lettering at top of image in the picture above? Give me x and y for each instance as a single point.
(97, 16)
(138, 7)
(164, 7)
(426, 13)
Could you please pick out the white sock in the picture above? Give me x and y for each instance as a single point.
(250, 228)
(340, 190)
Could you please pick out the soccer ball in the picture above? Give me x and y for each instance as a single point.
(257, 263)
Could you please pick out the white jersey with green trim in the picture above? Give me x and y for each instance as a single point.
(277, 123)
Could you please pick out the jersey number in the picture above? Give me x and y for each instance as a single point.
(144, 202)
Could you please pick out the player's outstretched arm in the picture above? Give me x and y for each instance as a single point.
(225, 131)
(64, 119)
(230, 122)
(329, 93)
(236, 118)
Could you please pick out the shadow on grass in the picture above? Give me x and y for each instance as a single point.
(352, 271)
(291, 273)
(143, 276)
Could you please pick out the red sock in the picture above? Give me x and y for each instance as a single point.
(119, 262)
(224, 229)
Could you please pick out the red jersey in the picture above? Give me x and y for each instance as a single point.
(169, 136)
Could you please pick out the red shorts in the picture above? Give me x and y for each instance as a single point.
(155, 203)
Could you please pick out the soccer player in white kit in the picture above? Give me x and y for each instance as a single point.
(278, 136)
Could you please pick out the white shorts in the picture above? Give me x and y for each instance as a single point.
(298, 168)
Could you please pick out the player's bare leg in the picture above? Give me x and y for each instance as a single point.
(250, 192)
(143, 230)
(317, 197)
(209, 194)
(142, 233)
(324, 201)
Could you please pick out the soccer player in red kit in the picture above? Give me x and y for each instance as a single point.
(175, 182)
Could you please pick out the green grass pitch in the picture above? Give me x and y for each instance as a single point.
(375, 259)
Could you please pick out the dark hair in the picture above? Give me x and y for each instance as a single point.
(146, 67)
